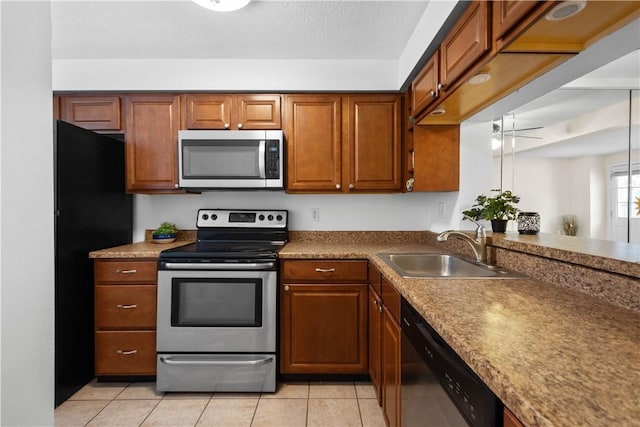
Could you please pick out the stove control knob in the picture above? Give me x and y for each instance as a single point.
(270, 217)
(261, 217)
(214, 217)
(279, 218)
(205, 217)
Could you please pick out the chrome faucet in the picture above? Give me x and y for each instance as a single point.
(479, 245)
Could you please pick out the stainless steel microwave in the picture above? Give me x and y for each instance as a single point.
(230, 159)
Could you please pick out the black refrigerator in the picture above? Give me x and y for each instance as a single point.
(92, 211)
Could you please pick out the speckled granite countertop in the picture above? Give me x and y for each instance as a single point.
(554, 356)
(146, 249)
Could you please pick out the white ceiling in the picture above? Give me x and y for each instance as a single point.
(265, 29)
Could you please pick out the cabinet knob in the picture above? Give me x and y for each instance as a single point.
(239, 125)
(286, 287)
(338, 186)
(433, 93)
(351, 186)
(441, 86)
(227, 125)
(176, 185)
(380, 308)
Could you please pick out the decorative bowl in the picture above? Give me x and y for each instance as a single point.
(164, 238)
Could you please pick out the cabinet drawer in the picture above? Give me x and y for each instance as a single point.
(126, 353)
(324, 270)
(126, 271)
(125, 306)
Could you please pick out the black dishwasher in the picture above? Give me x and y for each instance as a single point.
(438, 388)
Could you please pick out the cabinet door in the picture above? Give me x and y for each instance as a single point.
(152, 143)
(436, 158)
(323, 329)
(98, 113)
(313, 128)
(374, 136)
(258, 112)
(203, 111)
(375, 332)
(466, 43)
(391, 341)
(507, 13)
(424, 88)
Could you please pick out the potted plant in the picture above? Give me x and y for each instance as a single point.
(498, 209)
(166, 233)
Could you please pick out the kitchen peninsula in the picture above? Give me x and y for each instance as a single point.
(553, 355)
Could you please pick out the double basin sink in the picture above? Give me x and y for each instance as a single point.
(434, 265)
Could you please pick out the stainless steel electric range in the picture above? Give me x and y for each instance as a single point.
(216, 327)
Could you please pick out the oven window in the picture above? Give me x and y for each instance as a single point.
(216, 302)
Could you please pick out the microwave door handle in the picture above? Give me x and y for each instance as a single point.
(262, 159)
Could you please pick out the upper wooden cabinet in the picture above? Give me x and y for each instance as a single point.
(433, 158)
(506, 14)
(424, 88)
(313, 132)
(343, 144)
(222, 111)
(151, 137)
(467, 42)
(374, 143)
(97, 113)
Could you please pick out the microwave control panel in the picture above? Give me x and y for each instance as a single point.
(272, 160)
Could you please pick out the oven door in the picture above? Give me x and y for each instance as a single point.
(216, 311)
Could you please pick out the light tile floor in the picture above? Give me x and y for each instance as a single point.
(315, 404)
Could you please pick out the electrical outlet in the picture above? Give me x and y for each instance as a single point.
(315, 214)
(440, 210)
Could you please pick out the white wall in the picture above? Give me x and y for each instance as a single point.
(26, 194)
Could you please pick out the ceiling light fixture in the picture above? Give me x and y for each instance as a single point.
(222, 5)
(565, 10)
(481, 77)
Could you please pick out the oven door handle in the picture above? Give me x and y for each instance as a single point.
(185, 360)
(219, 266)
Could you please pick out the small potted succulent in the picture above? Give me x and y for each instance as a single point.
(166, 233)
(498, 209)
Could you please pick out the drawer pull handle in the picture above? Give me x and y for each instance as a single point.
(325, 270)
(126, 352)
(127, 306)
(126, 271)
(286, 287)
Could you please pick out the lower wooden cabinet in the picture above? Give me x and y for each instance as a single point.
(125, 317)
(323, 317)
(385, 336)
(510, 420)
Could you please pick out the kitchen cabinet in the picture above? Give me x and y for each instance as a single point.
(125, 317)
(510, 420)
(385, 336)
(151, 137)
(96, 113)
(464, 46)
(507, 15)
(375, 332)
(373, 143)
(224, 111)
(466, 43)
(434, 158)
(424, 87)
(339, 144)
(390, 355)
(323, 317)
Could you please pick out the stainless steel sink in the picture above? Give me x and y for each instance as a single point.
(442, 265)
